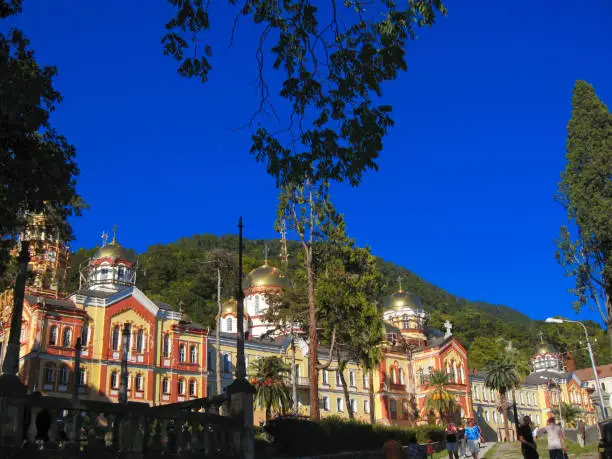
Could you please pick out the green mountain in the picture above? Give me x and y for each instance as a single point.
(177, 274)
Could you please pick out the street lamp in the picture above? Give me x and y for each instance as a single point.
(554, 320)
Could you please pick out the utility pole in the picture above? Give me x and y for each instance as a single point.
(124, 364)
(240, 363)
(10, 365)
(75, 392)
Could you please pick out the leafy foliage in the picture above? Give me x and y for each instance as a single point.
(439, 399)
(268, 375)
(502, 376)
(295, 437)
(334, 58)
(571, 414)
(585, 248)
(37, 167)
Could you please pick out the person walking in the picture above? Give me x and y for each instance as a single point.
(556, 439)
(461, 440)
(392, 449)
(473, 435)
(451, 441)
(528, 445)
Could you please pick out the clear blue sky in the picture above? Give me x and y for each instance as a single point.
(464, 195)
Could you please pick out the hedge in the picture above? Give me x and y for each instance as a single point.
(301, 437)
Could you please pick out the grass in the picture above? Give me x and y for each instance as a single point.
(513, 450)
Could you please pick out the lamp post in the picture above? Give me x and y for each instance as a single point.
(554, 320)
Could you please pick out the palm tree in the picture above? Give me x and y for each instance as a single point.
(502, 376)
(569, 413)
(268, 376)
(439, 399)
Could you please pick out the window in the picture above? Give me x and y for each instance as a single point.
(85, 334)
(115, 338)
(405, 321)
(492, 395)
(139, 383)
(365, 380)
(140, 341)
(352, 378)
(522, 396)
(193, 355)
(353, 405)
(63, 376)
(338, 380)
(393, 408)
(114, 381)
(325, 377)
(53, 335)
(603, 386)
(67, 337)
(325, 403)
(166, 345)
(477, 393)
(537, 419)
(339, 404)
(257, 306)
(193, 388)
(49, 373)
(165, 386)
(405, 409)
(227, 363)
(421, 376)
(230, 324)
(121, 273)
(104, 274)
(461, 375)
(82, 377)
(495, 417)
(182, 353)
(181, 387)
(487, 416)
(366, 406)
(400, 373)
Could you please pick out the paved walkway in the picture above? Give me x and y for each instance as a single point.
(512, 451)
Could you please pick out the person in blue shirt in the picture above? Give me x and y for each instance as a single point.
(473, 434)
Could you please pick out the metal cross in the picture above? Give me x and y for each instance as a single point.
(399, 280)
(266, 251)
(114, 233)
(541, 336)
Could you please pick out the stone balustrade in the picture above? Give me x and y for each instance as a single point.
(34, 426)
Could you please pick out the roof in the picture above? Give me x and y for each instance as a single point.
(586, 374)
(162, 305)
(403, 300)
(265, 276)
(56, 302)
(95, 293)
(541, 377)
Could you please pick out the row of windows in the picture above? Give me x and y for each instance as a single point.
(393, 409)
(523, 398)
(67, 336)
(352, 378)
(140, 384)
(61, 377)
(325, 402)
(139, 380)
(193, 350)
(139, 336)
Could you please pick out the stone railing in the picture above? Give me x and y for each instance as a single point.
(34, 427)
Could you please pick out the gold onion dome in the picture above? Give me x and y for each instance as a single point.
(546, 348)
(113, 251)
(229, 307)
(265, 276)
(402, 300)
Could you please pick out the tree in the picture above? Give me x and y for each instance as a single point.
(308, 212)
(268, 376)
(334, 61)
(585, 191)
(37, 166)
(568, 413)
(439, 399)
(348, 283)
(502, 377)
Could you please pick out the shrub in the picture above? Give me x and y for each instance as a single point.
(301, 437)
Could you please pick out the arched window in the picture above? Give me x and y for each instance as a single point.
(405, 321)
(230, 324)
(193, 388)
(400, 374)
(114, 380)
(421, 376)
(115, 338)
(85, 334)
(477, 393)
(257, 305)
(64, 375)
(121, 273)
(166, 345)
(165, 386)
(67, 337)
(82, 377)
(487, 416)
(522, 396)
(140, 341)
(49, 373)
(405, 411)
(461, 375)
(393, 408)
(53, 335)
(603, 386)
(227, 363)
(182, 353)
(496, 417)
(139, 382)
(193, 354)
(492, 395)
(181, 387)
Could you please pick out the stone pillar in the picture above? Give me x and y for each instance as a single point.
(241, 408)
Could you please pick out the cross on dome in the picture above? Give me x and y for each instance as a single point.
(541, 336)
(399, 281)
(266, 251)
(114, 241)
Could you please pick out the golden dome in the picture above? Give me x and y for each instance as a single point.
(545, 348)
(402, 300)
(231, 307)
(113, 251)
(265, 276)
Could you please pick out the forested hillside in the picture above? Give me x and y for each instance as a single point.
(178, 273)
